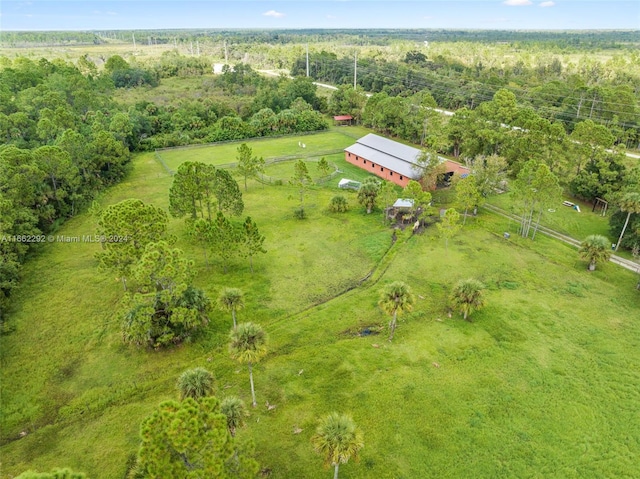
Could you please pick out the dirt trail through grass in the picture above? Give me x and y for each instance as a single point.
(370, 279)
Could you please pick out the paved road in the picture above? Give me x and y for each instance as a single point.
(625, 263)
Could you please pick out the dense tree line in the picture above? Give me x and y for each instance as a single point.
(22, 39)
(556, 93)
(64, 139)
(276, 106)
(62, 142)
(562, 40)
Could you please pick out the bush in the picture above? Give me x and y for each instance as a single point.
(338, 204)
(133, 77)
(299, 213)
(158, 320)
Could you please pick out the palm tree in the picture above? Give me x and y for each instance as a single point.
(247, 346)
(630, 203)
(467, 296)
(338, 439)
(231, 299)
(368, 193)
(235, 411)
(395, 298)
(595, 248)
(195, 383)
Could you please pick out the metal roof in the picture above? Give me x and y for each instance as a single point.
(395, 156)
(392, 148)
(403, 203)
(388, 154)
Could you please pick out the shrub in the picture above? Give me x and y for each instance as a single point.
(299, 213)
(338, 204)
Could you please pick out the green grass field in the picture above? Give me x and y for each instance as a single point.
(564, 219)
(316, 144)
(543, 383)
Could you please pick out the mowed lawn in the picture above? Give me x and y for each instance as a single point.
(542, 383)
(316, 144)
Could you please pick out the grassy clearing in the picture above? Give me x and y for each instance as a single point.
(171, 91)
(97, 53)
(543, 383)
(565, 219)
(269, 148)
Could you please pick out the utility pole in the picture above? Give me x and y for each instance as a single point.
(191, 48)
(134, 40)
(198, 46)
(226, 53)
(307, 59)
(355, 69)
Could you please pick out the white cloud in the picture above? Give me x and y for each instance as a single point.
(331, 17)
(517, 3)
(273, 13)
(547, 4)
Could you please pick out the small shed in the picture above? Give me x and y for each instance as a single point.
(403, 204)
(400, 210)
(343, 119)
(347, 184)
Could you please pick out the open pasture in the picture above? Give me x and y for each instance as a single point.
(542, 383)
(564, 219)
(317, 145)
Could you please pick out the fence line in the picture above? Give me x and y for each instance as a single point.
(270, 180)
(164, 165)
(270, 161)
(241, 140)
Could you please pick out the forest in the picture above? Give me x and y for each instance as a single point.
(96, 131)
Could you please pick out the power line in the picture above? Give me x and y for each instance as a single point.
(494, 88)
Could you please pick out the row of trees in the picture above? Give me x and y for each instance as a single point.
(535, 190)
(586, 161)
(58, 151)
(557, 95)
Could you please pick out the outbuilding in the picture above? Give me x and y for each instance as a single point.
(343, 119)
(391, 160)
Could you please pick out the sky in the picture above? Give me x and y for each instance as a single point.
(293, 14)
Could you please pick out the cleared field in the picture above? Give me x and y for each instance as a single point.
(317, 145)
(542, 383)
(564, 219)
